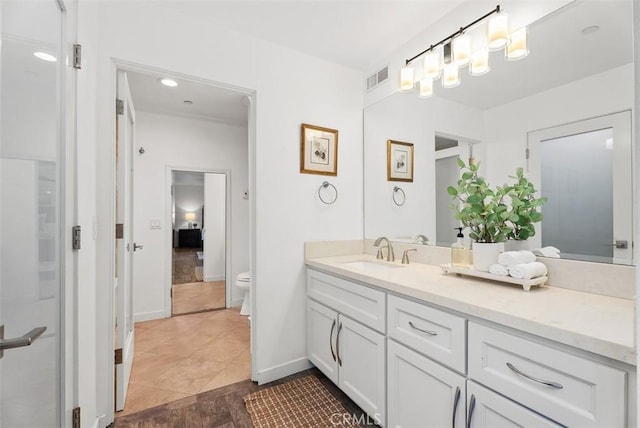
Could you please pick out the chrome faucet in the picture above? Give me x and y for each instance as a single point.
(390, 256)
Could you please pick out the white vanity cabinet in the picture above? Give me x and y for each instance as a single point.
(422, 393)
(350, 353)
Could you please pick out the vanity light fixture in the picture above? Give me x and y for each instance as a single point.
(45, 56)
(446, 57)
(168, 82)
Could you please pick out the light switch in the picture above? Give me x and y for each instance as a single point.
(154, 223)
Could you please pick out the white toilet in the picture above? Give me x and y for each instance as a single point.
(243, 282)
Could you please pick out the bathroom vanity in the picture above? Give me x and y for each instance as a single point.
(415, 348)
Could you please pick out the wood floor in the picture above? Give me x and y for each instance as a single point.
(224, 408)
(197, 296)
(181, 356)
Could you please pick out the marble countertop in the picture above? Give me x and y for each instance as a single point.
(591, 322)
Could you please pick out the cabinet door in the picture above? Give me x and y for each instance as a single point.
(322, 326)
(490, 410)
(421, 392)
(361, 357)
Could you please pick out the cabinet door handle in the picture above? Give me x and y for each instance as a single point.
(429, 332)
(472, 406)
(455, 407)
(338, 345)
(544, 382)
(333, 326)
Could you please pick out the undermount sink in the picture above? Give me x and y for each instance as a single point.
(371, 266)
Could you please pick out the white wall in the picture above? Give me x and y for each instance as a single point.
(189, 198)
(188, 145)
(215, 227)
(291, 88)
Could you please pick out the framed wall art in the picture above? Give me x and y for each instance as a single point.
(318, 150)
(399, 161)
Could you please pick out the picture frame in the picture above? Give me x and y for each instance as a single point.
(318, 150)
(399, 161)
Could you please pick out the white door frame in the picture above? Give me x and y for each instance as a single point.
(168, 255)
(105, 206)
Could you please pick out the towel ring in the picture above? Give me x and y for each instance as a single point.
(324, 185)
(397, 200)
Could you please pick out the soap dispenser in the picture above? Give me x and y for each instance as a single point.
(460, 255)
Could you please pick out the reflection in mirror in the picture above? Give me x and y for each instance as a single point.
(570, 75)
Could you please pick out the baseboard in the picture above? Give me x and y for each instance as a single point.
(236, 303)
(148, 316)
(211, 278)
(283, 370)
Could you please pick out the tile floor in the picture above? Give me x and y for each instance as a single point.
(181, 356)
(197, 296)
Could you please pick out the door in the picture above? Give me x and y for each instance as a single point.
(421, 392)
(214, 228)
(361, 374)
(322, 324)
(587, 216)
(125, 246)
(490, 410)
(31, 126)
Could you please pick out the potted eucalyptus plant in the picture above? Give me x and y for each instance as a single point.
(484, 211)
(525, 211)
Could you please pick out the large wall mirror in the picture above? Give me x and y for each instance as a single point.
(578, 76)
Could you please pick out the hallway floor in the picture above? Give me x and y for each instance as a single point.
(181, 356)
(197, 296)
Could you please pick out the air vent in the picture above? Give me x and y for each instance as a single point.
(377, 78)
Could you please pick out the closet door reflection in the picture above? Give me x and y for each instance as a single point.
(585, 172)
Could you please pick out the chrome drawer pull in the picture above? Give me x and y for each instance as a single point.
(455, 407)
(472, 406)
(544, 382)
(429, 332)
(331, 340)
(338, 345)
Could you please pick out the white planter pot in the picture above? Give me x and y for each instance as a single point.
(517, 245)
(484, 255)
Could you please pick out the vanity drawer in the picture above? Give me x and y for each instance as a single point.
(570, 389)
(437, 334)
(363, 304)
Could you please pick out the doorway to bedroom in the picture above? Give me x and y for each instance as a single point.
(198, 241)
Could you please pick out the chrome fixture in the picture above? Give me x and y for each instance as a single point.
(421, 239)
(390, 256)
(405, 256)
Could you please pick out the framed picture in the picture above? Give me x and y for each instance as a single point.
(318, 150)
(399, 161)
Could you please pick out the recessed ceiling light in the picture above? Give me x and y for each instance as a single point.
(45, 56)
(168, 82)
(189, 102)
(589, 30)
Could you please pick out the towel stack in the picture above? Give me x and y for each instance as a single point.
(518, 264)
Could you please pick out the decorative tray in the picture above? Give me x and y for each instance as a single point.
(525, 283)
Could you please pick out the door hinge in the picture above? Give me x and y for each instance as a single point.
(119, 230)
(526, 153)
(118, 356)
(76, 237)
(119, 107)
(75, 422)
(77, 56)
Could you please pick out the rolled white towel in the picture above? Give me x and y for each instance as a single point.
(528, 270)
(498, 269)
(547, 252)
(510, 258)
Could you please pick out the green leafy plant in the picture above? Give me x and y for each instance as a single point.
(525, 207)
(479, 207)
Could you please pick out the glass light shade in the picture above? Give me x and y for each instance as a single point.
(461, 50)
(432, 64)
(406, 78)
(479, 63)
(426, 88)
(517, 47)
(498, 31)
(450, 76)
